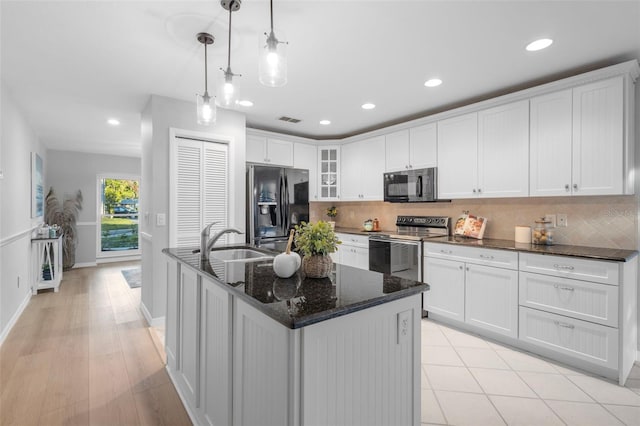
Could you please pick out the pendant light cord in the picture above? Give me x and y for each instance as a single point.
(229, 55)
(271, 9)
(206, 89)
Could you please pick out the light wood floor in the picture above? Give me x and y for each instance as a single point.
(86, 356)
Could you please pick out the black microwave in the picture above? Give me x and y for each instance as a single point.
(411, 186)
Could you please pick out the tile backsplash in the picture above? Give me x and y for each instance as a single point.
(604, 221)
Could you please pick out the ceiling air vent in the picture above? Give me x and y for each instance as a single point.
(289, 119)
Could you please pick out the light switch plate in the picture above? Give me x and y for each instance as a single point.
(562, 220)
(161, 219)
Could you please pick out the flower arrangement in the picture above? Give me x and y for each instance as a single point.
(332, 212)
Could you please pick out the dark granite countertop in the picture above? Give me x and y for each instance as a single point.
(616, 255)
(600, 253)
(361, 231)
(300, 301)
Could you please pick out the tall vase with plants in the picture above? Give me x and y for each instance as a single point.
(65, 215)
(316, 241)
(332, 212)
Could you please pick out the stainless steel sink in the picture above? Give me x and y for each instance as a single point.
(239, 255)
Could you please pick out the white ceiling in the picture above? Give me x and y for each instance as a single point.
(71, 65)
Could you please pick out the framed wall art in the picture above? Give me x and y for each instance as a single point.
(37, 189)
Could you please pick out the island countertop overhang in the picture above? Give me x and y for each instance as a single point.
(299, 301)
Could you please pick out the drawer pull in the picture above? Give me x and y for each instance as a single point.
(445, 251)
(565, 267)
(482, 256)
(564, 324)
(558, 286)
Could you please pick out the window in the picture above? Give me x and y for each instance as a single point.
(118, 214)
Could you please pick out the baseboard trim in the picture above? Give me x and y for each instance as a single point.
(15, 317)
(153, 322)
(84, 265)
(118, 258)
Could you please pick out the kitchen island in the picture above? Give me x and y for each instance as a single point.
(245, 347)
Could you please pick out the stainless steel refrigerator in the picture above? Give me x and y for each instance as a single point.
(277, 200)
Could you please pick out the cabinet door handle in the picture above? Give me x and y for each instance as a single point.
(461, 267)
(474, 190)
(467, 268)
(567, 187)
(575, 186)
(559, 287)
(563, 267)
(411, 166)
(483, 256)
(479, 190)
(406, 166)
(564, 324)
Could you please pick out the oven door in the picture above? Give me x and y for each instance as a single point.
(401, 258)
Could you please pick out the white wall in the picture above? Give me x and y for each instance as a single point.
(69, 171)
(17, 142)
(158, 117)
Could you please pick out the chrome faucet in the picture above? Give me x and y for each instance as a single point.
(207, 243)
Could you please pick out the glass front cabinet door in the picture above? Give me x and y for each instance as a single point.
(329, 166)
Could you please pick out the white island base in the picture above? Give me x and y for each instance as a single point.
(234, 365)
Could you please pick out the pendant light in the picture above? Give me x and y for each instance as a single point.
(272, 58)
(205, 104)
(228, 95)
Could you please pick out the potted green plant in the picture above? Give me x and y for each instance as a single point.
(332, 212)
(315, 241)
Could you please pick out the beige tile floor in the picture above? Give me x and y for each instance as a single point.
(467, 380)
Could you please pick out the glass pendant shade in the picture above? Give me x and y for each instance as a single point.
(206, 109)
(227, 91)
(272, 60)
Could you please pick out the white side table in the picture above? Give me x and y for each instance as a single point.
(46, 263)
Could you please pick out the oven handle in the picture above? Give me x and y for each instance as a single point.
(394, 240)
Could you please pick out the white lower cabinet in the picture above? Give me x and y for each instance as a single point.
(446, 293)
(463, 287)
(593, 343)
(491, 299)
(580, 311)
(354, 251)
(171, 317)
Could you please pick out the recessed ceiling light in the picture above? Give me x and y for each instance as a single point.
(539, 44)
(433, 82)
(245, 103)
(368, 105)
(325, 122)
(113, 122)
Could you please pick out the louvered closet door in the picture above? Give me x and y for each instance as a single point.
(199, 190)
(215, 184)
(186, 205)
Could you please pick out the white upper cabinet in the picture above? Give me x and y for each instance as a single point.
(362, 170)
(598, 138)
(329, 173)
(485, 154)
(305, 156)
(577, 141)
(550, 149)
(503, 151)
(458, 157)
(270, 151)
(414, 148)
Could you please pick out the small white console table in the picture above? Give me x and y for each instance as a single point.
(46, 263)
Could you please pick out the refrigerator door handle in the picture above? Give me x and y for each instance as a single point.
(281, 207)
(287, 208)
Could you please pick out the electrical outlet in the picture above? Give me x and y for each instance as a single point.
(550, 218)
(562, 220)
(403, 326)
(161, 219)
